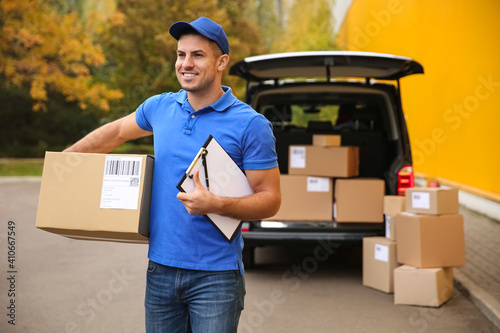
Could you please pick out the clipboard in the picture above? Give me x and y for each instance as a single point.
(221, 176)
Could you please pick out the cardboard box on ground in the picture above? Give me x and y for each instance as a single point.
(96, 196)
(428, 245)
(379, 253)
(431, 241)
(428, 239)
(379, 262)
(422, 286)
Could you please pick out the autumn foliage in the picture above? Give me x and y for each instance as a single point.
(44, 50)
(87, 62)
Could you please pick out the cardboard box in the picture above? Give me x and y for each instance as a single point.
(422, 286)
(323, 161)
(326, 140)
(379, 262)
(429, 200)
(394, 204)
(429, 241)
(390, 227)
(305, 198)
(359, 200)
(96, 196)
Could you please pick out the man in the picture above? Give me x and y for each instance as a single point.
(195, 276)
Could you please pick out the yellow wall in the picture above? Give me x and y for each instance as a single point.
(453, 110)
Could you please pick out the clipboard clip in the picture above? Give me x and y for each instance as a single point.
(204, 162)
(201, 154)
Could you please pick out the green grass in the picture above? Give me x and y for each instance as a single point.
(33, 167)
(130, 148)
(10, 167)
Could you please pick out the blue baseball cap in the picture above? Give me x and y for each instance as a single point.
(205, 27)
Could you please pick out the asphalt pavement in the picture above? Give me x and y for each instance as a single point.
(50, 283)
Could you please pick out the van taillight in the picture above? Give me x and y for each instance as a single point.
(245, 227)
(406, 179)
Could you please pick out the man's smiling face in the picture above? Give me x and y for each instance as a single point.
(196, 65)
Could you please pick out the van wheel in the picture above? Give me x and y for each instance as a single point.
(248, 257)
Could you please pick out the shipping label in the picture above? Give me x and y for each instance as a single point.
(381, 252)
(318, 184)
(121, 182)
(298, 157)
(420, 200)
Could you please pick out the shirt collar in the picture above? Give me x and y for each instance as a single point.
(222, 104)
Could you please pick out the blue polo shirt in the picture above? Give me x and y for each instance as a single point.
(177, 238)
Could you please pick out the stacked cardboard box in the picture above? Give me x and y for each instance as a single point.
(321, 185)
(393, 205)
(424, 232)
(380, 253)
(379, 262)
(359, 200)
(324, 161)
(305, 198)
(430, 239)
(327, 140)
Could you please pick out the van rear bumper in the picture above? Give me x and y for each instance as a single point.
(281, 232)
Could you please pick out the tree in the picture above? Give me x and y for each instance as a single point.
(45, 51)
(309, 27)
(262, 15)
(24, 133)
(141, 53)
(246, 39)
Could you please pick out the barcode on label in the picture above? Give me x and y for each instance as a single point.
(122, 168)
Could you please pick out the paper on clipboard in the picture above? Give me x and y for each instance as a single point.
(225, 179)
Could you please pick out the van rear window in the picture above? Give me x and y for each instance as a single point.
(319, 112)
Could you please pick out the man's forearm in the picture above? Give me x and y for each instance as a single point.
(110, 136)
(264, 203)
(252, 207)
(102, 140)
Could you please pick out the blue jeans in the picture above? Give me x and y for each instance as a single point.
(180, 300)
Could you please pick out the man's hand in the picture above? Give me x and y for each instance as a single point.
(265, 201)
(200, 201)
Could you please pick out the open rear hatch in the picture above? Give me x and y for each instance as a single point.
(329, 64)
